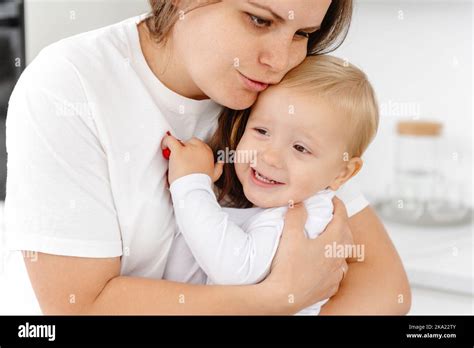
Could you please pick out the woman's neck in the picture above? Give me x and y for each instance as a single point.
(166, 67)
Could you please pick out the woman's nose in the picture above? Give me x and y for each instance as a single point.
(275, 54)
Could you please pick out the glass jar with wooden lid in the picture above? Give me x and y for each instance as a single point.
(418, 192)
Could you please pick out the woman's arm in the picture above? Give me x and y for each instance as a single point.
(377, 285)
(74, 285)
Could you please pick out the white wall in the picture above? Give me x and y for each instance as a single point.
(417, 54)
(48, 21)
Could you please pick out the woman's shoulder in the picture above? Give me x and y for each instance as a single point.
(91, 51)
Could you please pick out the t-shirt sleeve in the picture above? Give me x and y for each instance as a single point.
(59, 199)
(352, 196)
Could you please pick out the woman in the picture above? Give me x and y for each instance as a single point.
(87, 190)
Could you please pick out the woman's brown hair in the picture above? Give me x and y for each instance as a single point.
(231, 126)
(333, 31)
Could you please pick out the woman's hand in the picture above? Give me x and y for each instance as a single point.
(301, 272)
(191, 157)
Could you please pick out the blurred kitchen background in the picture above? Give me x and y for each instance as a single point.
(417, 173)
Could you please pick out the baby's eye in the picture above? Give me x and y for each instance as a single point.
(261, 131)
(301, 148)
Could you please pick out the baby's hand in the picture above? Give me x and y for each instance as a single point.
(190, 157)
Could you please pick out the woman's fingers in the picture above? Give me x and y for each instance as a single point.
(335, 278)
(302, 267)
(340, 210)
(345, 269)
(295, 220)
(338, 228)
(338, 232)
(292, 236)
(342, 220)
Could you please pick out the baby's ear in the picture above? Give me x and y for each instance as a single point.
(350, 169)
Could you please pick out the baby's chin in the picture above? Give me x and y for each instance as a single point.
(268, 201)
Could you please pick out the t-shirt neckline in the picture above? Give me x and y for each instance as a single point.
(170, 99)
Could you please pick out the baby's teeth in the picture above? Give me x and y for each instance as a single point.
(264, 179)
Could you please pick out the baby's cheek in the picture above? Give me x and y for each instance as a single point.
(246, 152)
(306, 184)
(243, 143)
(239, 169)
(294, 194)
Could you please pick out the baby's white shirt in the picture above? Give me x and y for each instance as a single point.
(230, 246)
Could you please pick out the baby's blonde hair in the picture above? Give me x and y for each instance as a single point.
(347, 89)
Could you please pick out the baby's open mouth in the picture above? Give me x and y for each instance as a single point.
(264, 179)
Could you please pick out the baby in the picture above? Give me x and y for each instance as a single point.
(300, 142)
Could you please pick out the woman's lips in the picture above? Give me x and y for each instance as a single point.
(262, 181)
(253, 85)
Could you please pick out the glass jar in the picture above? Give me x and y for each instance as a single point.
(419, 193)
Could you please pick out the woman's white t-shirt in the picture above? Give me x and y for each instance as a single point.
(85, 173)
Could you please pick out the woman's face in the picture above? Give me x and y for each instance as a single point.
(234, 49)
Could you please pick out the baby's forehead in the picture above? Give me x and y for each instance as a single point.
(281, 93)
(296, 109)
(283, 101)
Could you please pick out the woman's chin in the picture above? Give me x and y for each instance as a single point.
(237, 101)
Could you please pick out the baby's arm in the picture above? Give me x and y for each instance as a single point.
(227, 253)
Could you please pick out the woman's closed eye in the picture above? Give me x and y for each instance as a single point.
(304, 34)
(262, 23)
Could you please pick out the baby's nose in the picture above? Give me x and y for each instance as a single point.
(272, 157)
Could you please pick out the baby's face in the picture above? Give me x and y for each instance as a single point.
(298, 144)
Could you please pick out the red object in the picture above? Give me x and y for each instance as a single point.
(166, 153)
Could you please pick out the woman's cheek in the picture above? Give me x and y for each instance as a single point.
(298, 55)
